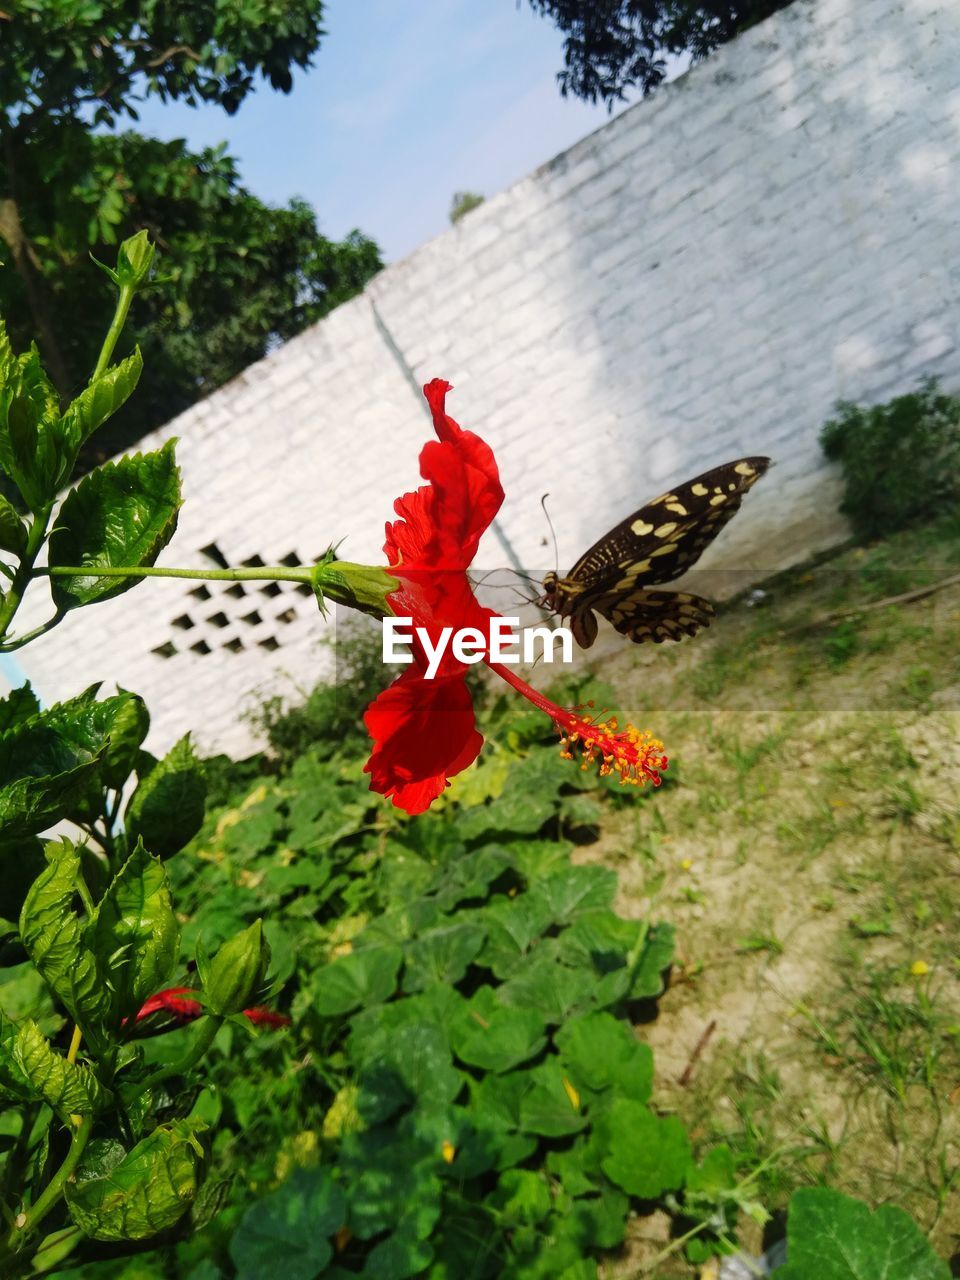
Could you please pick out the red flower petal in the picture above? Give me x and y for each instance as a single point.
(443, 521)
(423, 733)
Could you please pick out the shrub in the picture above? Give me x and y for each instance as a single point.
(900, 460)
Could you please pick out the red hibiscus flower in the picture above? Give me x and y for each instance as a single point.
(178, 1002)
(424, 731)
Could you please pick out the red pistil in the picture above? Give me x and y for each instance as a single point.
(632, 753)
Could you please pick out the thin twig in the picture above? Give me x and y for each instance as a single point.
(827, 619)
(684, 1078)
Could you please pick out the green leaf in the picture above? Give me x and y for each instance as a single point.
(400, 1255)
(294, 1224)
(126, 722)
(19, 705)
(66, 1087)
(56, 940)
(648, 965)
(392, 1181)
(13, 1082)
(522, 1196)
(548, 986)
(601, 1052)
(29, 409)
(13, 532)
(100, 400)
(237, 971)
(42, 773)
(834, 1237)
(166, 810)
(514, 926)
(569, 892)
(136, 936)
(551, 1106)
(488, 1034)
(148, 1191)
(442, 955)
(365, 977)
(122, 514)
(21, 861)
(417, 1057)
(642, 1153)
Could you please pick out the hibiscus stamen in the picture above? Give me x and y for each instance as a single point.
(635, 754)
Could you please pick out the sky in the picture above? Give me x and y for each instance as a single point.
(408, 101)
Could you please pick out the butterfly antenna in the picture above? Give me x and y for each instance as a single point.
(553, 533)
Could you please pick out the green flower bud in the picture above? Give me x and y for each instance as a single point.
(234, 975)
(133, 261)
(358, 586)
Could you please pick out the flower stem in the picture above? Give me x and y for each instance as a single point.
(116, 326)
(33, 1216)
(11, 645)
(265, 573)
(25, 570)
(205, 1035)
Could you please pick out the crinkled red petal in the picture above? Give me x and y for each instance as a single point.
(424, 732)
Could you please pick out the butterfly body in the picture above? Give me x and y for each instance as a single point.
(654, 545)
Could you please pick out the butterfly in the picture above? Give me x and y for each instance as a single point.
(654, 545)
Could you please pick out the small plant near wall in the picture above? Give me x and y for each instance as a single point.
(900, 460)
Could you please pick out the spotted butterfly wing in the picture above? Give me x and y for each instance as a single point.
(655, 545)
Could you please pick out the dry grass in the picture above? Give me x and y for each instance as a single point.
(808, 851)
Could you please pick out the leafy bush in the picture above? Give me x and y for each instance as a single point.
(900, 460)
(462, 1091)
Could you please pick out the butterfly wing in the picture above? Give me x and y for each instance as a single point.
(643, 614)
(656, 544)
(668, 535)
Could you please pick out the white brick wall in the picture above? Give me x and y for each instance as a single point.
(703, 276)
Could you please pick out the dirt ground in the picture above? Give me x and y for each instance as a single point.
(807, 848)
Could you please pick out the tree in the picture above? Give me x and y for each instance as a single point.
(246, 274)
(614, 45)
(240, 275)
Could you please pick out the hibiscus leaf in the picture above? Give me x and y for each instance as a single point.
(100, 400)
(14, 1083)
(42, 773)
(122, 514)
(56, 940)
(20, 704)
(294, 1223)
(136, 936)
(13, 532)
(147, 1191)
(66, 1087)
(835, 1237)
(166, 810)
